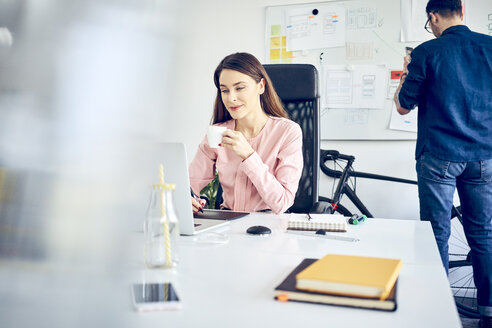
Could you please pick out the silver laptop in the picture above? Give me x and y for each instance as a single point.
(173, 157)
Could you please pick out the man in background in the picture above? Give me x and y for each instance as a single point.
(450, 80)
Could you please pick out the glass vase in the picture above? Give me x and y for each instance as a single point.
(161, 228)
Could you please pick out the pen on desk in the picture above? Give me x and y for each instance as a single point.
(308, 216)
(325, 235)
(197, 199)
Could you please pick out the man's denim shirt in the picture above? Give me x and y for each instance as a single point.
(450, 80)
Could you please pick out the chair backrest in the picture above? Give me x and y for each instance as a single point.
(297, 87)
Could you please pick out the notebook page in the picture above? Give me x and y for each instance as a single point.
(328, 222)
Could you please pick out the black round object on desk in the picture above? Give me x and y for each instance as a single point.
(259, 230)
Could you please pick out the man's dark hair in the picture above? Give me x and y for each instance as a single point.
(445, 8)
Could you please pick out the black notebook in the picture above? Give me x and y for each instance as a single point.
(287, 291)
(219, 215)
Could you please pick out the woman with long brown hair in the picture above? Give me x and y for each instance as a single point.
(260, 160)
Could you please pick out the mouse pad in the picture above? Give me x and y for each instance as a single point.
(219, 215)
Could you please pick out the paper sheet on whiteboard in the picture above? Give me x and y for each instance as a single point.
(306, 30)
(413, 18)
(358, 86)
(406, 122)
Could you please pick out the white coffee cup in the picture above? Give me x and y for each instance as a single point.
(214, 135)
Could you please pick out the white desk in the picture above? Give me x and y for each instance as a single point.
(231, 285)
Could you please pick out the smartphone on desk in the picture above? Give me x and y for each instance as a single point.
(155, 297)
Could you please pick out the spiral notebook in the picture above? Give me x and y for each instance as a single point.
(313, 222)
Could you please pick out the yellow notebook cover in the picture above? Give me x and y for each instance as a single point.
(350, 275)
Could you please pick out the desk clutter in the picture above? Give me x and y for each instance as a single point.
(344, 280)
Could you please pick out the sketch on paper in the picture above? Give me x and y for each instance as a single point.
(360, 18)
(361, 86)
(314, 28)
(339, 87)
(359, 50)
(406, 122)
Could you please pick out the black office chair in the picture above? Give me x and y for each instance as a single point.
(297, 87)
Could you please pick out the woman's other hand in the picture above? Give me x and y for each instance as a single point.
(197, 205)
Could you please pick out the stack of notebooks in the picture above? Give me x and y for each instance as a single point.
(355, 281)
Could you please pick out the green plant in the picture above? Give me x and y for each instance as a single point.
(210, 191)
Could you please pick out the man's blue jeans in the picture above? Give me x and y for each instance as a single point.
(437, 181)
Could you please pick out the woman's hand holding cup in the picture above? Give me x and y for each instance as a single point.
(214, 135)
(236, 141)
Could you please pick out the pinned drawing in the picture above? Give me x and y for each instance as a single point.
(315, 28)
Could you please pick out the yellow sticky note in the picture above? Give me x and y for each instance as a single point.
(284, 41)
(287, 61)
(275, 42)
(275, 29)
(287, 54)
(274, 53)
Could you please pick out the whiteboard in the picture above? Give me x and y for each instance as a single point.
(372, 35)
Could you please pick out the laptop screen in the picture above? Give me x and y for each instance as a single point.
(173, 158)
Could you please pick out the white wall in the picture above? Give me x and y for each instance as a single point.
(210, 30)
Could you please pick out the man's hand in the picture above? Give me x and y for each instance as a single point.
(401, 110)
(406, 61)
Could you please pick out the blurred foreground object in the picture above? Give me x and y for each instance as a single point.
(6, 38)
(83, 86)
